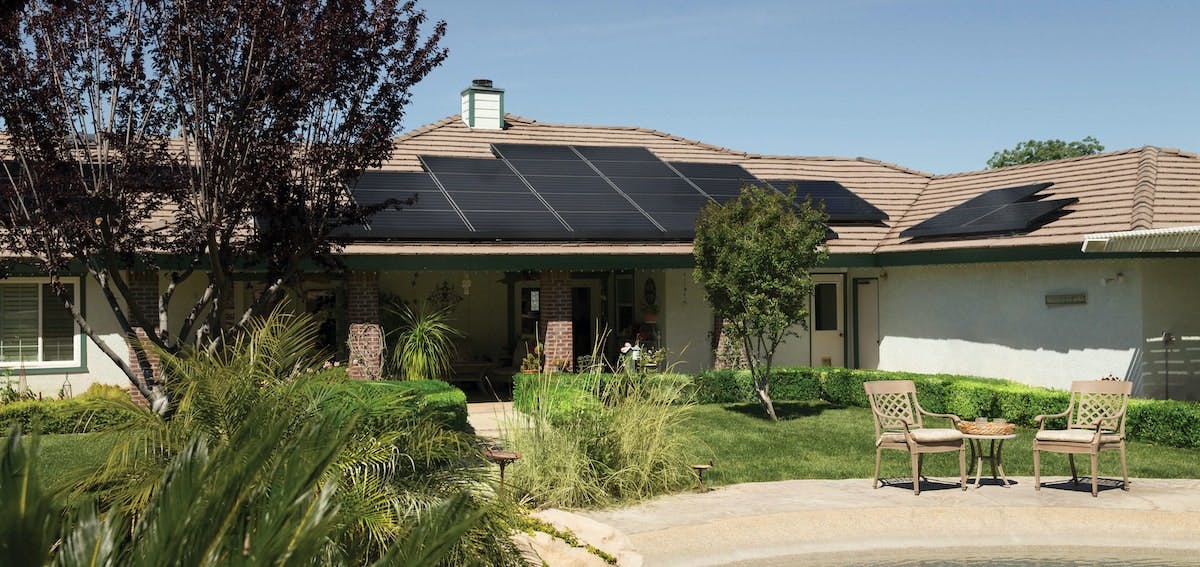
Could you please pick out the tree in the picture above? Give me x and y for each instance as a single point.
(211, 138)
(754, 257)
(1033, 151)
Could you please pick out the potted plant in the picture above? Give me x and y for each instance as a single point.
(651, 359)
(650, 313)
(532, 363)
(425, 343)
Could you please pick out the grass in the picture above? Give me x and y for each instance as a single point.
(820, 440)
(811, 440)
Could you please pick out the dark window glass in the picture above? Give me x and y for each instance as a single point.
(825, 311)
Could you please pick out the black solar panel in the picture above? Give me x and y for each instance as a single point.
(533, 151)
(712, 170)
(438, 165)
(547, 192)
(1006, 210)
(635, 169)
(616, 153)
(841, 204)
(575, 168)
(655, 186)
(471, 182)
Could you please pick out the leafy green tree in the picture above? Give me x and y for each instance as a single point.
(754, 257)
(1033, 151)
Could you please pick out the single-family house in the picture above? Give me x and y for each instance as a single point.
(1042, 273)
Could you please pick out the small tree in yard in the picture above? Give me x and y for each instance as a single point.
(219, 135)
(754, 257)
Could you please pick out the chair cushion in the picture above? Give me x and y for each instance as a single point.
(932, 435)
(1075, 436)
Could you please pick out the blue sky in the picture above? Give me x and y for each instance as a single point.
(935, 86)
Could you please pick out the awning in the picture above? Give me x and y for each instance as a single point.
(1174, 239)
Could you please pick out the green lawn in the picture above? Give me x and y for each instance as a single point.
(811, 440)
(820, 440)
(62, 456)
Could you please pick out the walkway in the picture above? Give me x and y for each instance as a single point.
(749, 522)
(485, 417)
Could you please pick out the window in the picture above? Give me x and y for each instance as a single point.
(35, 330)
(826, 307)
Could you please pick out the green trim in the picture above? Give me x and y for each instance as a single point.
(845, 322)
(581, 261)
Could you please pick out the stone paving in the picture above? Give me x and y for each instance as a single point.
(759, 521)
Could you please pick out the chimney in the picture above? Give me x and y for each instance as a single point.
(483, 105)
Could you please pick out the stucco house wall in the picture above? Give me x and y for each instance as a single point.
(993, 320)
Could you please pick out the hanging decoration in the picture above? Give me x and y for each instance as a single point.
(444, 296)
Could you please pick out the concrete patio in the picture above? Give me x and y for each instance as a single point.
(760, 521)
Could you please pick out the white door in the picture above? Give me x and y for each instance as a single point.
(866, 322)
(827, 323)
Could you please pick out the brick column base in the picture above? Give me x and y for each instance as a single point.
(366, 351)
(728, 353)
(557, 334)
(141, 345)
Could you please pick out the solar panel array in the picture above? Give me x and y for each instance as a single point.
(565, 192)
(840, 203)
(999, 211)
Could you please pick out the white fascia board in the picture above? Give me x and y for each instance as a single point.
(1174, 239)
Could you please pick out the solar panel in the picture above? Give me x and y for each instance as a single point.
(577, 168)
(1006, 210)
(533, 151)
(655, 186)
(616, 153)
(472, 182)
(584, 202)
(492, 201)
(635, 169)
(548, 192)
(693, 170)
(841, 204)
(438, 165)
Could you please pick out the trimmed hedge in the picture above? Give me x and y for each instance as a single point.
(74, 415)
(1172, 423)
(380, 403)
(384, 404)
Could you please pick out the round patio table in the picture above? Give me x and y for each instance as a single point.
(994, 455)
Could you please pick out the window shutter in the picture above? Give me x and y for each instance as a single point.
(58, 327)
(19, 323)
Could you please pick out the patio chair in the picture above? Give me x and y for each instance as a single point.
(1095, 423)
(899, 425)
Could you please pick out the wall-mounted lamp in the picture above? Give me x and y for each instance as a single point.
(466, 284)
(1119, 278)
(883, 274)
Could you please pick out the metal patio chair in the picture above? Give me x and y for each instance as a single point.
(899, 425)
(1095, 423)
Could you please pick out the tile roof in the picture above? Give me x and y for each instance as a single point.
(1140, 188)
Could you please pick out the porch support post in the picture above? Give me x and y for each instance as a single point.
(366, 334)
(557, 335)
(727, 354)
(143, 288)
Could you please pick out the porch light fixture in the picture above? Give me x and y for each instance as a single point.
(466, 284)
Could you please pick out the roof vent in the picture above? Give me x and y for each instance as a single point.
(483, 105)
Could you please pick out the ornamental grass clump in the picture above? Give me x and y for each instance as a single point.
(595, 441)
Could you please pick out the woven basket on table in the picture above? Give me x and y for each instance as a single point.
(989, 428)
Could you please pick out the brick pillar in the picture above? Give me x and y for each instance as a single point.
(366, 334)
(143, 292)
(557, 336)
(728, 354)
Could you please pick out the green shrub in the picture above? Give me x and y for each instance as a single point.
(86, 414)
(593, 440)
(387, 405)
(1172, 423)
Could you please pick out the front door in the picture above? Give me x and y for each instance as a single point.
(827, 323)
